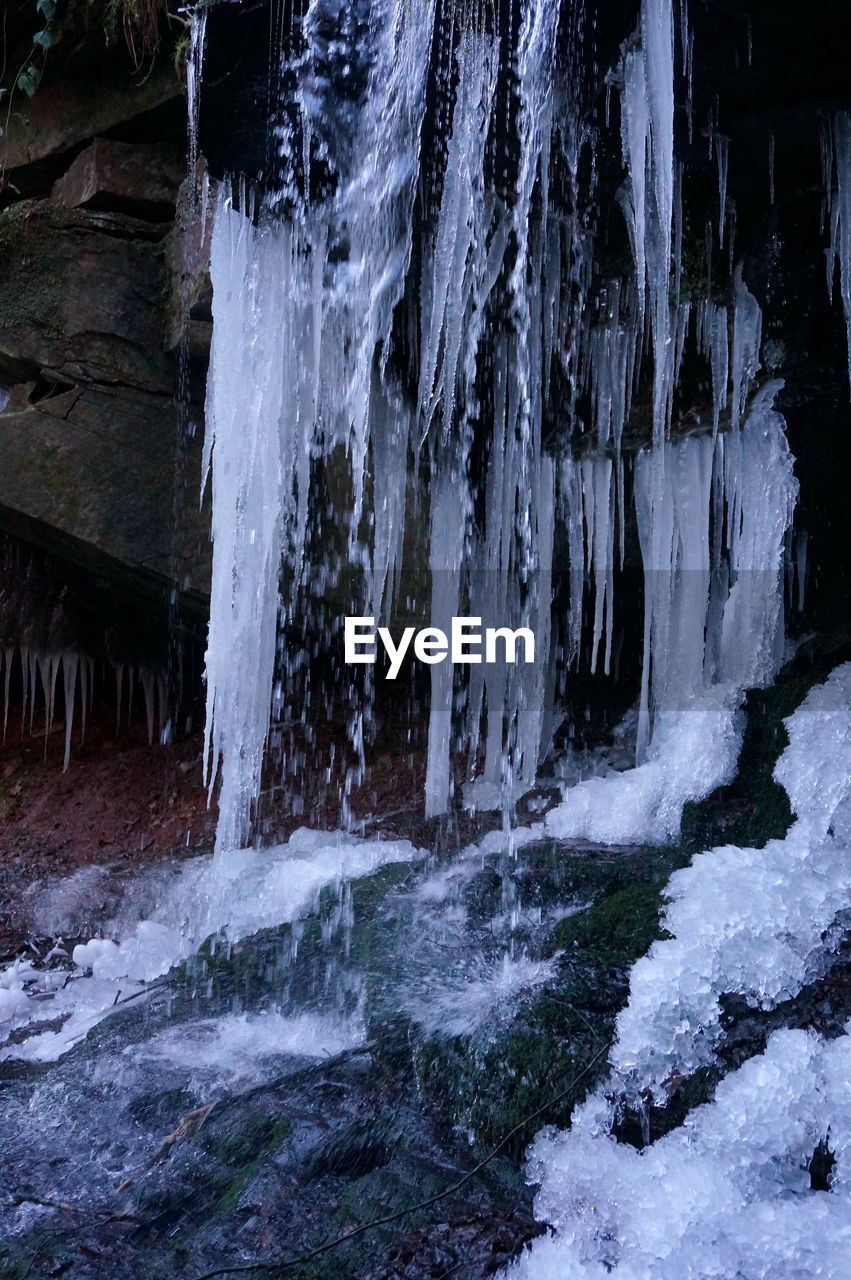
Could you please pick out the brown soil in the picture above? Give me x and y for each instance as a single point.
(120, 800)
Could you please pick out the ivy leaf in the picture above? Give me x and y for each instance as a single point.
(44, 38)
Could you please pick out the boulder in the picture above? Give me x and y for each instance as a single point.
(81, 296)
(96, 467)
(143, 179)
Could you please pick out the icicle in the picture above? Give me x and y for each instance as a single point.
(50, 670)
(462, 224)
(731, 233)
(87, 689)
(598, 502)
(611, 357)
(119, 692)
(840, 217)
(722, 148)
(801, 567)
(589, 491)
(687, 50)
(70, 663)
(162, 705)
(445, 559)
(747, 339)
(534, 715)
(713, 342)
(146, 679)
(33, 663)
(261, 409)
(389, 428)
(194, 71)
(771, 168)
(647, 112)
(571, 489)
(8, 654)
(678, 231)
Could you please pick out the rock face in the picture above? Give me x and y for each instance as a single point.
(80, 297)
(114, 175)
(92, 464)
(90, 432)
(99, 471)
(62, 117)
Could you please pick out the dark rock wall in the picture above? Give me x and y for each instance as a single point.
(99, 468)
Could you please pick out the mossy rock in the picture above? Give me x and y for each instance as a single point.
(616, 931)
(242, 1140)
(753, 808)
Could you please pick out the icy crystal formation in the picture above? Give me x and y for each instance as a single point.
(299, 366)
(261, 411)
(712, 517)
(727, 1193)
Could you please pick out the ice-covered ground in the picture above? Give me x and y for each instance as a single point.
(728, 1193)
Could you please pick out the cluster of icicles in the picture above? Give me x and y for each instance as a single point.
(300, 367)
(41, 675)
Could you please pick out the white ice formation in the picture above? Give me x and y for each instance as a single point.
(728, 1192)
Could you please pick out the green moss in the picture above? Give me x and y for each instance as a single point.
(257, 1132)
(617, 930)
(754, 809)
(245, 1148)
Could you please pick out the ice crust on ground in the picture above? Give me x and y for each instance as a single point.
(234, 896)
(728, 1193)
(751, 922)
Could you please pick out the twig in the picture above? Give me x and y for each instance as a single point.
(187, 1127)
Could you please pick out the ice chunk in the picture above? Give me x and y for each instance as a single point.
(726, 1194)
